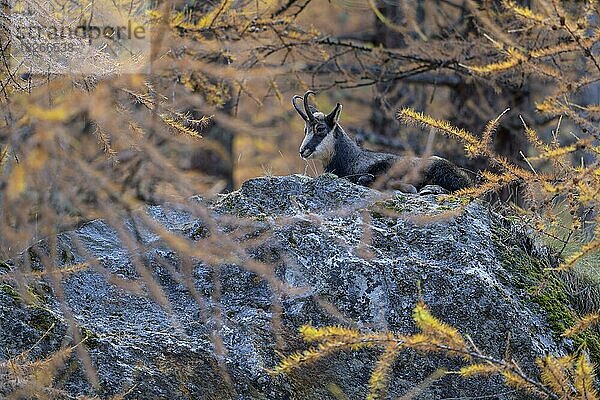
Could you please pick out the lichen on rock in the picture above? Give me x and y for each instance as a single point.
(354, 256)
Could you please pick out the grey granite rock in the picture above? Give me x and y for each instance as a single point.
(317, 231)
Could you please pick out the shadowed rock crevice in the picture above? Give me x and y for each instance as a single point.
(345, 247)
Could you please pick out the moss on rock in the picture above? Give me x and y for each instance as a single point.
(41, 318)
(11, 292)
(535, 274)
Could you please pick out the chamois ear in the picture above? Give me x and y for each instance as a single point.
(334, 116)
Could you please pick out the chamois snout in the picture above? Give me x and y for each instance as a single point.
(305, 153)
(318, 143)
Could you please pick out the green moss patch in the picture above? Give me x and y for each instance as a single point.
(11, 291)
(388, 208)
(4, 266)
(532, 273)
(91, 339)
(41, 318)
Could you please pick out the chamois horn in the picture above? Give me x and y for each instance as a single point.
(298, 109)
(311, 117)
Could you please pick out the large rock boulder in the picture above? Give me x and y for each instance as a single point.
(160, 325)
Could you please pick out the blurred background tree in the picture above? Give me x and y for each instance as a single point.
(215, 109)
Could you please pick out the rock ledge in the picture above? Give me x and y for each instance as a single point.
(344, 247)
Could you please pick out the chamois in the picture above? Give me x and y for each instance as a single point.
(326, 140)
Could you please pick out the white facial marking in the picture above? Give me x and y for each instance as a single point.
(308, 135)
(324, 151)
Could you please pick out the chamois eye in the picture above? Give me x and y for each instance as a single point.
(320, 130)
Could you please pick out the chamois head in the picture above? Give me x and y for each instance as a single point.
(319, 129)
